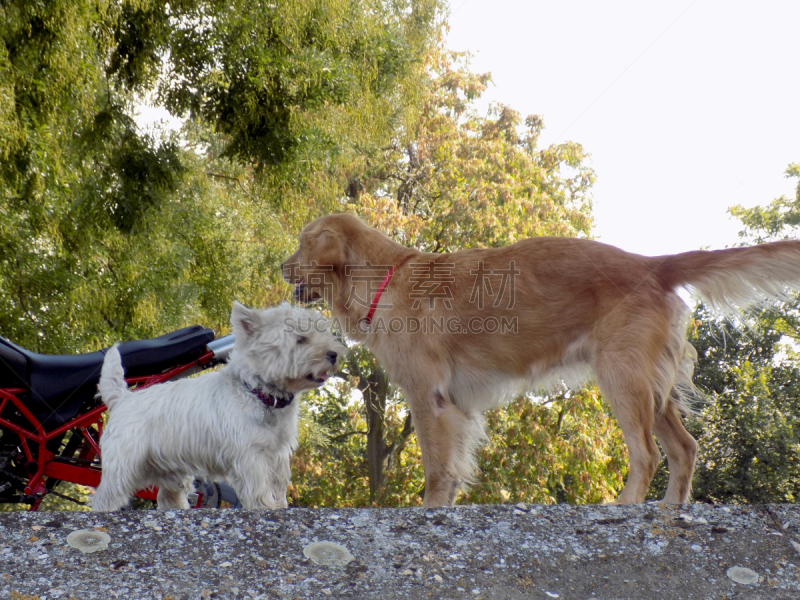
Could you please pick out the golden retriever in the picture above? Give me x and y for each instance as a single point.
(460, 332)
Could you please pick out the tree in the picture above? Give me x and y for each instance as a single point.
(275, 78)
(563, 448)
(779, 220)
(459, 180)
(89, 203)
(126, 234)
(339, 471)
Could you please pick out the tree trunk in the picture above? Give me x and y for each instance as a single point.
(375, 393)
(380, 455)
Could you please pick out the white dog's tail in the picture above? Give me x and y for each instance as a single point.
(735, 278)
(112, 386)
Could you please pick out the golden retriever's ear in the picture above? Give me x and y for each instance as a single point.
(328, 248)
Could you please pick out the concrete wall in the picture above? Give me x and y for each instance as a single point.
(693, 551)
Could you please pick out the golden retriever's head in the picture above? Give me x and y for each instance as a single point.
(324, 250)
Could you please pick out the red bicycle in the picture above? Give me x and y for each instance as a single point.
(51, 422)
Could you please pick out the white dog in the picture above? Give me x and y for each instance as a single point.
(238, 423)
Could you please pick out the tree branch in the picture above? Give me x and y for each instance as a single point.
(344, 436)
(231, 178)
(393, 450)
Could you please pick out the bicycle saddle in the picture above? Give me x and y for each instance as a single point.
(59, 384)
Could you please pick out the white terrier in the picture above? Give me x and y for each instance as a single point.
(238, 423)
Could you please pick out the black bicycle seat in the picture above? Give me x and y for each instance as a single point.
(59, 384)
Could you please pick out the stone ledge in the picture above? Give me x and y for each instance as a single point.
(475, 552)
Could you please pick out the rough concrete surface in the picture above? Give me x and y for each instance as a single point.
(609, 552)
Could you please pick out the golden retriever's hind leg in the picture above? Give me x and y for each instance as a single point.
(447, 438)
(681, 450)
(631, 398)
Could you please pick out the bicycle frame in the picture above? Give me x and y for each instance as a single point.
(89, 425)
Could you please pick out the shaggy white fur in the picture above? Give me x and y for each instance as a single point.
(215, 425)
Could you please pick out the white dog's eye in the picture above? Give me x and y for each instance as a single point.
(302, 340)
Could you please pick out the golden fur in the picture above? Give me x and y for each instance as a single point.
(578, 305)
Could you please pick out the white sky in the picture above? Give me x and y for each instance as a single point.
(687, 107)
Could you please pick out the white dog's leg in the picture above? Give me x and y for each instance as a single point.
(260, 483)
(110, 494)
(171, 499)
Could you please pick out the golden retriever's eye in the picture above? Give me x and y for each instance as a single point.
(302, 340)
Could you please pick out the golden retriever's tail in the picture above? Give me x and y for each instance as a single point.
(735, 278)
(112, 386)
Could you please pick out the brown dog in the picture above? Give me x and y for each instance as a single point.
(461, 332)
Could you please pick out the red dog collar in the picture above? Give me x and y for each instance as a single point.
(269, 400)
(382, 287)
(377, 297)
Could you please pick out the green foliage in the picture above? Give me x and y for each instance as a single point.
(779, 220)
(335, 473)
(127, 234)
(77, 180)
(122, 269)
(50, 70)
(568, 449)
(141, 173)
(275, 78)
(53, 502)
(458, 179)
(749, 443)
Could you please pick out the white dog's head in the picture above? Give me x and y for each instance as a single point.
(290, 348)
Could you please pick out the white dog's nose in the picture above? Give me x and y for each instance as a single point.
(332, 357)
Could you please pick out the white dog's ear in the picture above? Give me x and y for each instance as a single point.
(244, 321)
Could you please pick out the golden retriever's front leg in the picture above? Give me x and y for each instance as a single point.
(447, 438)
